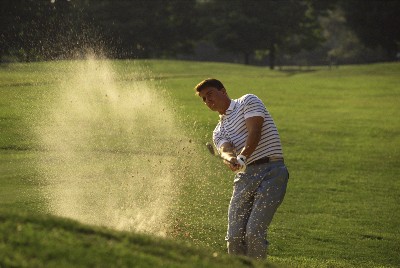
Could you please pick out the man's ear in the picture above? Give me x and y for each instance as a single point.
(223, 91)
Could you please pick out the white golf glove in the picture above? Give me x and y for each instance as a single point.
(241, 159)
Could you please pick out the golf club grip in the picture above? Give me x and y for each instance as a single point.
(227, 160)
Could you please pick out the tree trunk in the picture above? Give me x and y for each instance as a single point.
(272, 56)
(246, 58)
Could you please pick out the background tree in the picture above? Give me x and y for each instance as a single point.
(245, 26)
(142, 28)
(52, 29)
(342, 45)
(376, 23)
(47, 29)
(38, 29)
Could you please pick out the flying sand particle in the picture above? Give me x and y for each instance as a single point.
(94, 148)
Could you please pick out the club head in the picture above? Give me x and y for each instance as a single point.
(210, 148)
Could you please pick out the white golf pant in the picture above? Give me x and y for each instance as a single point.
(257, 193)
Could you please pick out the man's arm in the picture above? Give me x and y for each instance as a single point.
(254, 126)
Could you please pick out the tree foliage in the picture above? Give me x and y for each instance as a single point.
(244, 26)
(53, 29)
(144, 28)
(376, 23)
(38, 28)
(48, 29)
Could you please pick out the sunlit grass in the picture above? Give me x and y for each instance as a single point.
(340, 132)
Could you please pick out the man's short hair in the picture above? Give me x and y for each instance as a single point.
(210, 82)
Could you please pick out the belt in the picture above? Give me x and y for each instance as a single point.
(266, 160)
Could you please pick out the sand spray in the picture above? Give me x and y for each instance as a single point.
(111, 149)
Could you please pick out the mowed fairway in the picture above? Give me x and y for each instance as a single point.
(340, 130)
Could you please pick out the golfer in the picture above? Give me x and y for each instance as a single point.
(246, 136)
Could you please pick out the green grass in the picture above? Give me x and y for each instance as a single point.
(340, 132)
(42, 241)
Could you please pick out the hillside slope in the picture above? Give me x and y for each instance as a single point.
(28, 240)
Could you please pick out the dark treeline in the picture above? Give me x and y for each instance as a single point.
(268, 31)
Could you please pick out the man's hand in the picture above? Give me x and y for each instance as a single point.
(229, 155)
(233, 164)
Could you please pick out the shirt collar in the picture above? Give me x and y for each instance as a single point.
(228, 111)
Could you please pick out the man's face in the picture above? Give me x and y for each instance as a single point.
(213, 98)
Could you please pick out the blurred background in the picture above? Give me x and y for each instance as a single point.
(258, 32)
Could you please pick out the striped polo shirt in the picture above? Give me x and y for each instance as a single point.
(232, 128)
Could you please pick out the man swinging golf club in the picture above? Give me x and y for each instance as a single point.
(247, 138)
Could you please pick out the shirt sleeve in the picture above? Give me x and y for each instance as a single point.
(219, 137)
(253, 106)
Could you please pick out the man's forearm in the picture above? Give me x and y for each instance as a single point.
(254, 126)
(251, 143)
